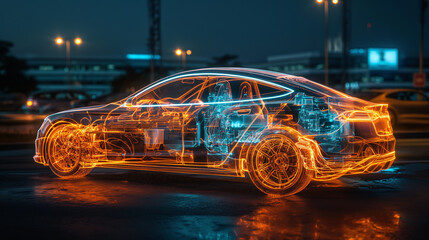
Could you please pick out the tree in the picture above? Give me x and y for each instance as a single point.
(12, 77)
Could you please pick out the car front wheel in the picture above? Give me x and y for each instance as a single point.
(276, 167)
(64, 151)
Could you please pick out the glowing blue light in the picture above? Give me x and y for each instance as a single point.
(143, 57)
(236, 124)
(383, 58)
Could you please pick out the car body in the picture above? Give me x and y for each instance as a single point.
(53, 101)
(406, 106)
(281, 130)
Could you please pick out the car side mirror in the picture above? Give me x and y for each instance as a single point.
(129, 102)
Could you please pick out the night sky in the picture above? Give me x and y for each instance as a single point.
(251, 29)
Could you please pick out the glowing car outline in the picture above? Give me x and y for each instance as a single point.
(281, 130)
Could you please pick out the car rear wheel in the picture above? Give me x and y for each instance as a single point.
(276, 166)
(64, 152)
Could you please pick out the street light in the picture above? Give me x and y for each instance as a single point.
(183, 54)
(326, 4)
(60, 41)
(78, 41)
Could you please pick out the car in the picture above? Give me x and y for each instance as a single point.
(53, 100)
(406, 106)
(280, 130)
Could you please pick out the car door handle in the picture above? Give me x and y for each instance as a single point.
(245, 111)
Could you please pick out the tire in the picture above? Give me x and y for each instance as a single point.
(64, 152)
(276, 166)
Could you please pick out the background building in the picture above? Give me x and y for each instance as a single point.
(93, 76)
(368, 68)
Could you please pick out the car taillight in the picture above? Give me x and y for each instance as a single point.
(378, 115)
(355, 116)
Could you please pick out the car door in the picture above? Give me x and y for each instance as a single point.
(234, 112)
(161, 120)
(410, 106)
(422, 105)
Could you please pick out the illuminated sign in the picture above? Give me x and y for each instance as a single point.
(382, 58)
(142, 56)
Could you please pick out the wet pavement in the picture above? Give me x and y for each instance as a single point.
(120, 204)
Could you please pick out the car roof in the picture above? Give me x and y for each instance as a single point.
(240, 71)
(271, 76)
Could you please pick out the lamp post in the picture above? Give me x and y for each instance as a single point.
(183, 54)
(326, 6)
(60, 41)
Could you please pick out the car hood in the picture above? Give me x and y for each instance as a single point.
(98, 109)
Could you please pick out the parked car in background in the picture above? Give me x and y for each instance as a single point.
(51, 101)
(405, 105)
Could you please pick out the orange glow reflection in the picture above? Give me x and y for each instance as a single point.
(278, 219)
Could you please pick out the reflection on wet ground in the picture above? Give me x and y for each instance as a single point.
(114, 203)
(284, 218)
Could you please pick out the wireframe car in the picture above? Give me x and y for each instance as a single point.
(405, 105)
(284, 131)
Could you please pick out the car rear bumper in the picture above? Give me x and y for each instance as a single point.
(373, 164)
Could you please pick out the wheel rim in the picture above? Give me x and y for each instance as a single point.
(65, 149)
(277, 163)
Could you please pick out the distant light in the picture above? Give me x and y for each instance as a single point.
(383, 58)
(319, 1)
(188, 52)
(59, 40)
(78, 41)
(29, 103)
(178, 52)
(133, 56)
(334, 1)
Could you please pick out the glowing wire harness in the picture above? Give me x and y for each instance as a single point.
(283, 130)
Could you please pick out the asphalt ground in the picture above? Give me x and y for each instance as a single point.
(122, 204)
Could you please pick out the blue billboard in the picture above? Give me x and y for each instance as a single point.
(382, 58)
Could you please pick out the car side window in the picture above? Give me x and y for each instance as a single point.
(423, 97)
(266, 90)
(177, 90)
(403, 96)
(79, 96)
(223, 89)
(63, 96)
(44, 96)
(413, 96)
(226, 89)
